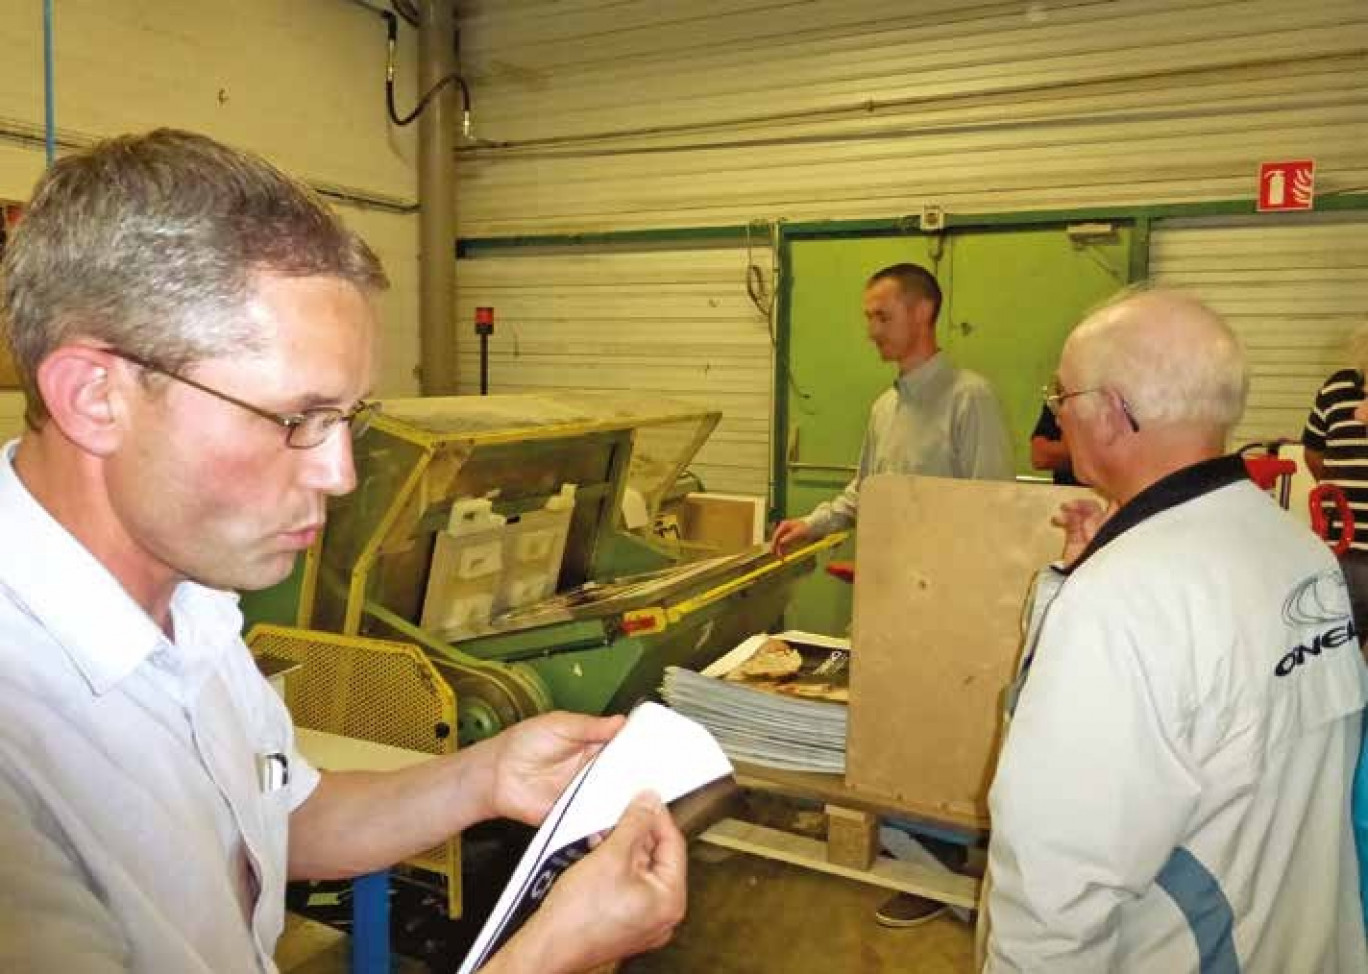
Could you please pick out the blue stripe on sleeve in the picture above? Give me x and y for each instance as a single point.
(1202, 902)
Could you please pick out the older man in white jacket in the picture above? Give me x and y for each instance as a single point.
(1173, 790)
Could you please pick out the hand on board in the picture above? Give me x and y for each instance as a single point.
(1081, 520)
(788, 534)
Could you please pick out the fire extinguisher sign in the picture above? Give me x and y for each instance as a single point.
(1287, 185)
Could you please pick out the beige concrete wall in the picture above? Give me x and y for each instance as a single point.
(299, 81)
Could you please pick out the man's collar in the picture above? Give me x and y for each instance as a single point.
(1168, 492)
(919, 376)
(105, 633)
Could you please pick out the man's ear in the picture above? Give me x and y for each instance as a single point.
(82, 395)
(1117, 419)
(923, 309)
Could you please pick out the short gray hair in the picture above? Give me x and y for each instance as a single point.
(150, 243)
(1357, 346)
(1172, 358)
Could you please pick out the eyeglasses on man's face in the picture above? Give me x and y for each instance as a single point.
(1055, 397)
(304, 430)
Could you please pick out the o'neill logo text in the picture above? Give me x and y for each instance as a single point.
(1329, 639)
(1318, 600)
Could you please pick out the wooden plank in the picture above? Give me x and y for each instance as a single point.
(832, 789)
(889, 873)
(852, 837)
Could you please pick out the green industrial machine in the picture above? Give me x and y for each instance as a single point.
(623, 605)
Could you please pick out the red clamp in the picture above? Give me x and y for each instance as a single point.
(844, 570)
(1343, 512)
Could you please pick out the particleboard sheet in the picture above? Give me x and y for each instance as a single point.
(943, 569)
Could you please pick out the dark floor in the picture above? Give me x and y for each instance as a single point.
(755, 916)
(746, 916)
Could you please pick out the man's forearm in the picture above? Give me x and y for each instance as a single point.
(358, 822)
(1047, 454)
(1315, 463)
(837, 514)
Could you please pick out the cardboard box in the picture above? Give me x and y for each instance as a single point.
(720, 523)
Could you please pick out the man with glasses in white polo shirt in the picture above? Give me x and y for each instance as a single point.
(194, 332)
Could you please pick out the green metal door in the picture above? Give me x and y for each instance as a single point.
(1017, 295)
(1011, 297)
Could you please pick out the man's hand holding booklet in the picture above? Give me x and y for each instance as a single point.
(658, 756)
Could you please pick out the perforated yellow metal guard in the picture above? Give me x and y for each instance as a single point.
(374, 690)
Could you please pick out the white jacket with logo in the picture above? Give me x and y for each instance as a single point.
(1172, 794)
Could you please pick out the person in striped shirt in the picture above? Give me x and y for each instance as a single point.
(1336, 444)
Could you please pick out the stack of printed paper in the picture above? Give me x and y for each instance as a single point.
(779, 701)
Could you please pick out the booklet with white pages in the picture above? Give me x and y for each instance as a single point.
(657, 750)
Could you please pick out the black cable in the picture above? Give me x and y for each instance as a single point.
(757, 290)
(392, 39)
(373, 9)
(406, 10)
(759, 293)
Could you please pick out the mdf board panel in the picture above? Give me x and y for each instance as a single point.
(676, 323)
(943, 570)
(1292, 286)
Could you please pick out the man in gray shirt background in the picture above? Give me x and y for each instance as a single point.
(936, 419)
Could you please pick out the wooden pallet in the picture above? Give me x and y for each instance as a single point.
(852, 846)
(885, 871)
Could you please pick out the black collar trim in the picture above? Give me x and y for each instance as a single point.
(1177, 488)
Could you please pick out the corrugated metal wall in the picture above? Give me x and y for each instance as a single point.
(640, 114)
(870, 108)
(675, 323)
(1294, 287)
